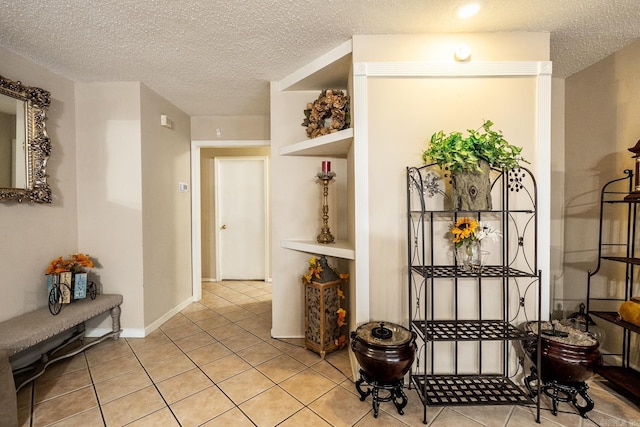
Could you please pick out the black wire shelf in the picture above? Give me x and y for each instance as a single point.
(468, 330)
(458, 390)
(451, 271)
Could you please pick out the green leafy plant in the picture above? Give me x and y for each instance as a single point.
(458, 153)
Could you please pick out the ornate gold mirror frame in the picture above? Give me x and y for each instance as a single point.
(37, 144)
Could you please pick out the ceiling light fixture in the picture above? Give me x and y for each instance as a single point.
(468, 10)
(462, 53)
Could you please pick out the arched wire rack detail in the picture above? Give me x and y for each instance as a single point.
(469, 323)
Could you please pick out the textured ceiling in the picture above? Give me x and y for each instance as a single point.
(216, 57)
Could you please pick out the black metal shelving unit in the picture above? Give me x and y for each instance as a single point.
(478, 317)
(603, 301)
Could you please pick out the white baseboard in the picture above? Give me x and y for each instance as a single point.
(285, 336)
(126, 332)
(155, 325)
(137, 332)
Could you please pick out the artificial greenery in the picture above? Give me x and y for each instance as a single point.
(458, 153)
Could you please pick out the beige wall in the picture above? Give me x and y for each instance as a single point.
(601, 111)
(110, 191)
(532, 46)
(131, 216)
(404, 112)
(231, 128)
(166, 213)
(412, 105)
(32, 235)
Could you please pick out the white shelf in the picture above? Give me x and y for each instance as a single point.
(339, 249)
(330, 71)
(335, 144)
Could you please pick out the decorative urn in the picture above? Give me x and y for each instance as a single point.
(568, 355)
(385, 351)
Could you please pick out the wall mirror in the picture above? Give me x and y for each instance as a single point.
(24, 144)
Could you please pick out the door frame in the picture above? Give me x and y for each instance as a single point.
(196, 188)
(265, 226)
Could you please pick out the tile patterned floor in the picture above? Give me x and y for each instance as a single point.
(215, 364)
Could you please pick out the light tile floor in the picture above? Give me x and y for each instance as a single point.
(215, 364)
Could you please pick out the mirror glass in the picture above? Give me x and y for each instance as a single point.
(13, 135)
(24, 144)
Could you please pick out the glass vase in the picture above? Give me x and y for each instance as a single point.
(470, 257)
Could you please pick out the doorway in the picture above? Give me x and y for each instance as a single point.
(200, 154)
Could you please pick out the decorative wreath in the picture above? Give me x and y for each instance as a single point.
(327, 114)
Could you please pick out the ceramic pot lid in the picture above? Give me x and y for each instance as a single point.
(383, 334)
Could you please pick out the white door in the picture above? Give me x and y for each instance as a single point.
(241, 225)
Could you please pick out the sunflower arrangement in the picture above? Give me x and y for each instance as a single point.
(76, 263)
(466, 231)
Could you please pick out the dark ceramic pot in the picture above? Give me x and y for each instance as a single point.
(385, 351)
(564, 362)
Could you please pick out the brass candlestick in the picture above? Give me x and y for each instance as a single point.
(325, 235)
(635, 194)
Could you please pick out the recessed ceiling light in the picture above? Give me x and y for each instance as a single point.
(468, 10)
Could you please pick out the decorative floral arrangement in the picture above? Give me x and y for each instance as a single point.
(327, 114)
(314, 271)
(76, 263)
(466, 231)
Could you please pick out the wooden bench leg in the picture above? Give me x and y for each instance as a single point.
(46, 361)
(115, 319)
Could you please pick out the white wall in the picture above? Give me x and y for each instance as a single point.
(31, 235)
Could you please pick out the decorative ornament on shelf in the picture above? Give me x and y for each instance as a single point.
(325, 176)
(67, 280)
(469, 161)
(324, 315)
(635, 193)
(327, 114)
(76, 263)
(467, 235)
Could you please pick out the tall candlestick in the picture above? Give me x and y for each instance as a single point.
(325, 235)
(324, 167)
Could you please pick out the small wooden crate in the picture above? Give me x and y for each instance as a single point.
(321, 316)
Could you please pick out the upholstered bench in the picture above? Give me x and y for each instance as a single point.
(29, 329)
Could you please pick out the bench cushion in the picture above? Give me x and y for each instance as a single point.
(36, 326)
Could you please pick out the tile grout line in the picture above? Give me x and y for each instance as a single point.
(154, 385)
(255, 367)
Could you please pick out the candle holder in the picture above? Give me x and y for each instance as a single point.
(635, 194)
(325, 235)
